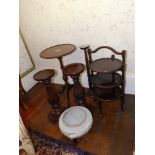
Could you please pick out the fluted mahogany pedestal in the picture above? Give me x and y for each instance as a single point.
(52, 97)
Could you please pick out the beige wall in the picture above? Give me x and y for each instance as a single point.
(95, 22)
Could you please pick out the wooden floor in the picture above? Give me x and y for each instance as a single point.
(112, 134)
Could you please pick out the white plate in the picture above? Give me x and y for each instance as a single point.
(75, 119)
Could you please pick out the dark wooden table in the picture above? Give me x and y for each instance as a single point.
(74, 70)
(58, 52)
(52, 96)
(107, 81)
(106, 76)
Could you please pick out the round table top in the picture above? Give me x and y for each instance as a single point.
(73, 69)
(44, 74)
(57, 51)
(106, 65)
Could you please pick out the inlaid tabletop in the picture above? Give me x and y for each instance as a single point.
(57, 51)
(106, 65)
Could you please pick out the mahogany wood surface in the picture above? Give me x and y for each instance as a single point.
(44, 75)
(73, 69)
(57, 51)
(106, 65)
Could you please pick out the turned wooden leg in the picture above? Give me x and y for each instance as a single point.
(78, 91)
(22, 95)
(100, 107)
(64, 77)
(113, 81)
(122, 103)
(66, 85)
(123, 97)
(74, 70)
(68, 105)
(74, 141)
(53, 100)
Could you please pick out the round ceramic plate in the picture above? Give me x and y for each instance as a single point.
(74, 117)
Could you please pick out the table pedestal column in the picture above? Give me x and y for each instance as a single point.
(66, 86)
(53, 100)
(65, 78)
(78, 91)
(58, 51)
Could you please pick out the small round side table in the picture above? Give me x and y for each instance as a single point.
(52, 97)
(74, 70)
(59, 51)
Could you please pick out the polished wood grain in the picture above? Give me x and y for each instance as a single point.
(73, 69)
(44, 75)
(106, 65)
(57, 51)
(111, 134)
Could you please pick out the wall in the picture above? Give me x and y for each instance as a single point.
(45, 23)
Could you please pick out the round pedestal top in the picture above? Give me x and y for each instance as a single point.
(57, 51)
(106, 65)
(76, 119)
(73, 69)
(44, 74)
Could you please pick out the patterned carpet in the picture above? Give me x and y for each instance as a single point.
(45, 145)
